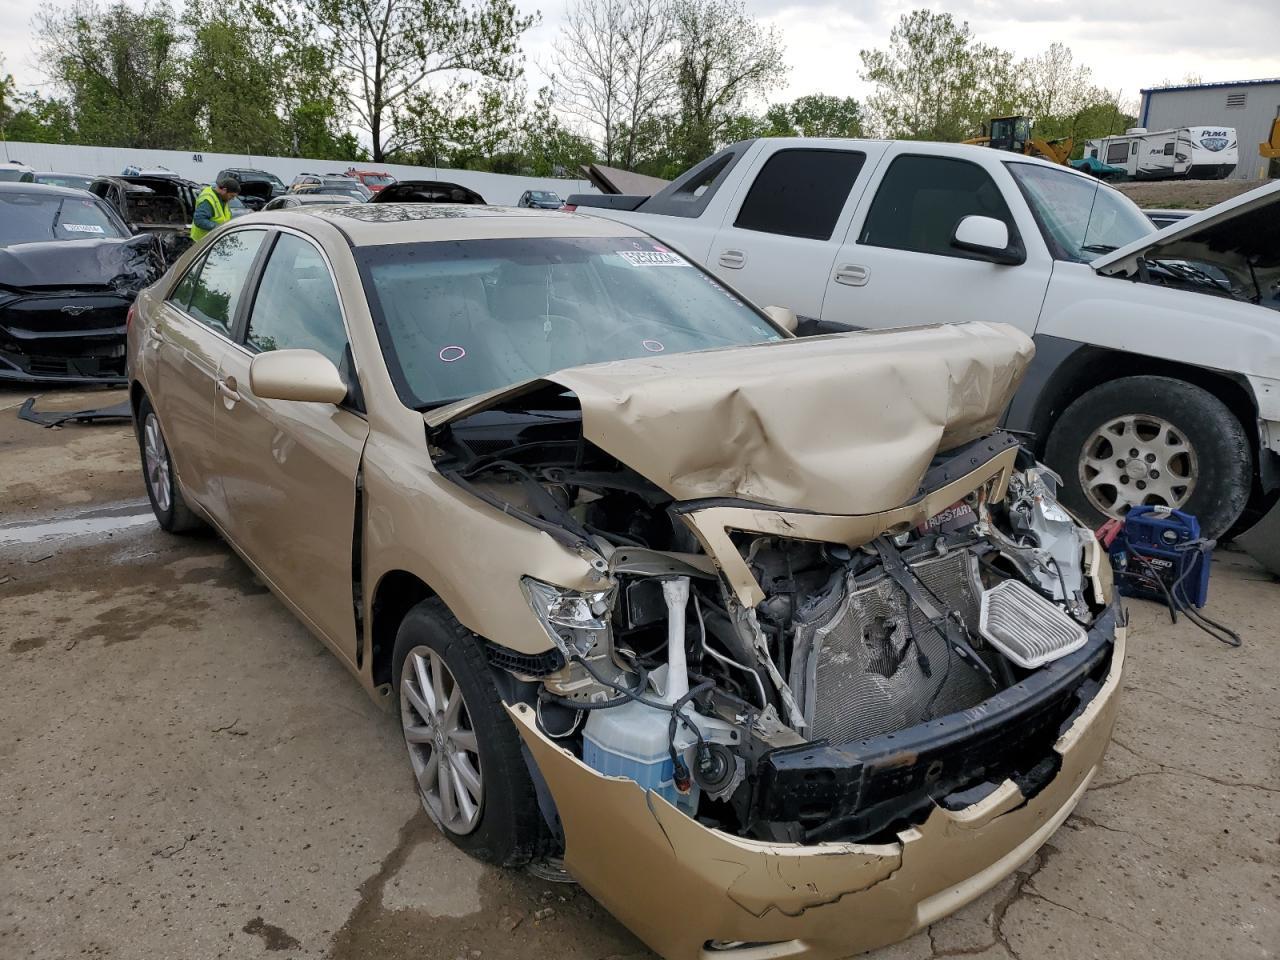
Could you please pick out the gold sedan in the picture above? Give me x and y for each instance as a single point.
(780, 645)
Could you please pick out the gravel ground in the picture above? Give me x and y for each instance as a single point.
(188, 774)
(1185, 194)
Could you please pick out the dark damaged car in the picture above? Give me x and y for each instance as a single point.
(69, 270)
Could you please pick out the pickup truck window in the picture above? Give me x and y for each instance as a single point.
(800, 193)
(922, 199)
(689, 194)
(1079, 217)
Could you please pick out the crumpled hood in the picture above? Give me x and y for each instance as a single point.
(123, 264)
(841, 424)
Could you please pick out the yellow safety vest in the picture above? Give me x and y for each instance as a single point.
(221, 211)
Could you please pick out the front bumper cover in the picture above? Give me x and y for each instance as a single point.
(678, 885)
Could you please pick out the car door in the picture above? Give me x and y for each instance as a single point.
(190, 335)
(898, 266)
(290, 468)
(775, 244)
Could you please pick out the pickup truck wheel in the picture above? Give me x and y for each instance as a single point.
(463, 749)
(167, 503)
(1156, 441)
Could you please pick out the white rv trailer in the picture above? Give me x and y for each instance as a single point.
(1196, 153)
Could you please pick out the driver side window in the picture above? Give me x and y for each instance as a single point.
(297, 306)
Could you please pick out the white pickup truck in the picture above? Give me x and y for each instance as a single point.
(1157, 370)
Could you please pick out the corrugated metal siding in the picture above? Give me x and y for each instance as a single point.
(1163, 109)
(494, 187)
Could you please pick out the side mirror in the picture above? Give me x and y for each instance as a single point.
(987, 239)
(302, 375)
(783, 317)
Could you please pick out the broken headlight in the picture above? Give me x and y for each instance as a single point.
(575, 620)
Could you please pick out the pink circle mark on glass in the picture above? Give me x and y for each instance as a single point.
(452, 353)
(653, 346)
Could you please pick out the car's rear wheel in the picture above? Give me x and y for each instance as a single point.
(463, 749)
(171, 510)
(1155, 441)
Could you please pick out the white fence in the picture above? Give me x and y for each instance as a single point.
(497, 188)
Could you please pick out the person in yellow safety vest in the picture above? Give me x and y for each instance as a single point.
(213, 207)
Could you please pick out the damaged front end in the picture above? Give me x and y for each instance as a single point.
(762, 708)
(63, 307)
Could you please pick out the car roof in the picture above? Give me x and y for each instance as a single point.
(43, 189)
(386, 223)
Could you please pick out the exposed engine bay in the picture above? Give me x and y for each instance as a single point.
(876, 679)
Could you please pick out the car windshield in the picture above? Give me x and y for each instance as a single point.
(12, 174)
(543, 195)
(27, 218)
(460, 318)
(1080, 218)
(72, 180)
(378, 179)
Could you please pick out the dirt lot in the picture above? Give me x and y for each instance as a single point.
(188, 774)
(1185, 194)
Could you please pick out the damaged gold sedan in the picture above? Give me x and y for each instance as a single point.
(781, 644)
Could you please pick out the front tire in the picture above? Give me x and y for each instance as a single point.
(463, 749)
(1156, 441)
(159, 477)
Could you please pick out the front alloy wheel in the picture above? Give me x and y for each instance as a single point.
(442, 743)
(1137, 459)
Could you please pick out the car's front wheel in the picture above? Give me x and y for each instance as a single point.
(463, 749)
(1155, 441)
(171, 510)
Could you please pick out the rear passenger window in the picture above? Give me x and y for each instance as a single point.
(800, 193)
(221, 282)
(297, 305)
(182, 292)
(921, 200)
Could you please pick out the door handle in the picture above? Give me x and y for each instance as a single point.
(852, 275)
(227, 387)
(155, 336)
(733, 259)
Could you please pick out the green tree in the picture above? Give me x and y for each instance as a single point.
(548, 147)
(385, 51)
(820, 115)
(232, 81)
(476, 127)
(935, 82)
(121, 71)
(724, 57)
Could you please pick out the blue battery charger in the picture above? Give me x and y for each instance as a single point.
(1157, 543)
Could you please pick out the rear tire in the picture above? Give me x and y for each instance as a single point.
(159, 477)
(433, 648)
(1154, 440)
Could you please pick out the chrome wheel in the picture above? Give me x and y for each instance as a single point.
(442, 743)
(156, 459)
(1137, 459)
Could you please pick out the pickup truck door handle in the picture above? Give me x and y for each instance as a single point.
(852, 275)
(227, 388)
(733, 259)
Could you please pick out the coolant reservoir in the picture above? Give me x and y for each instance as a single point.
(631, 740)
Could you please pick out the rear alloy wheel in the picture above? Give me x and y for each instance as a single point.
(171, 510)
(1153, 441)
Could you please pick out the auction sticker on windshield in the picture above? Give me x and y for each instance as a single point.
(81, 227)
(652, 258)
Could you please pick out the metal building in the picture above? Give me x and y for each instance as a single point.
(1249, 106)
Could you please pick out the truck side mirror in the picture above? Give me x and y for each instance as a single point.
(987, 238)
(783, 317)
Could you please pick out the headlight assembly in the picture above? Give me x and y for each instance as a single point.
(575, 620)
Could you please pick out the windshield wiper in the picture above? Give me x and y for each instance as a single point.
(1099, 247)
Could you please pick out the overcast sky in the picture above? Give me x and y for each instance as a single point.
(1128, 45)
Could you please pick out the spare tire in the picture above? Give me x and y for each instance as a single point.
(1152, 440)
